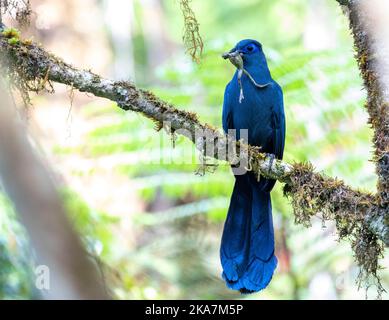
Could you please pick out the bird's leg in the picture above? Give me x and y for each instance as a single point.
(272, 157)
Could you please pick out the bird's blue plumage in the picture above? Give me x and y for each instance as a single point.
(247, 246)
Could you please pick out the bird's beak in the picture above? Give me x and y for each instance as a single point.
(235, 58)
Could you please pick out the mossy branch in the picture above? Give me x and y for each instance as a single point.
(356, 213)
(18, 10)
(372, 63)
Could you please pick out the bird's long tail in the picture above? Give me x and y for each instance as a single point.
(247, 247)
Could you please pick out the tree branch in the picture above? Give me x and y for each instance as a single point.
(28, 66)
(368, 19)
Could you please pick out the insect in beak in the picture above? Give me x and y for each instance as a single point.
(235, 57)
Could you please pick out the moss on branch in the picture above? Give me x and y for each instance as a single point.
(377, 105)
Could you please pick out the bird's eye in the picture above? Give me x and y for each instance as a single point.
(250, 48)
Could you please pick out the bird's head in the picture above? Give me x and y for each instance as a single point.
(246, 52)
(247, 56)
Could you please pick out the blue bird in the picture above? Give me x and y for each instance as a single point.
(252, 101)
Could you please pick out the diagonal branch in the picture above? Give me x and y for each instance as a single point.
(29, 66)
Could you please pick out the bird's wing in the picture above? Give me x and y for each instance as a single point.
(277, 143)
(227, 109)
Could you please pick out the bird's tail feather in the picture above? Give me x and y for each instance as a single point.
(247, 247)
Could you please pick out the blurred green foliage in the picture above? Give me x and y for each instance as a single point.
(16, 271)
(175, 251)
